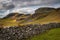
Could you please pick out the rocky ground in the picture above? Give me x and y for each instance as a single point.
(24, 32)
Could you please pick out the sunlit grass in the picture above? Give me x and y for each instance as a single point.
(53, 34)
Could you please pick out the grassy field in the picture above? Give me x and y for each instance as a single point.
(7, 22)
(53, 34)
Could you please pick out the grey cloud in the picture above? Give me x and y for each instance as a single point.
(10, 6)
(13, 4)
(24, 3)
(6, 5)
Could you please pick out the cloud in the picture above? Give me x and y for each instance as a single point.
(24, 3)
(6, 4)
(3, 13)
(24, 10)
(9, 4)
(27, 6)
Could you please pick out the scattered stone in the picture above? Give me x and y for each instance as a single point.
(24, 32)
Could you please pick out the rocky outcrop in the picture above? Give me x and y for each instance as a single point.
(24, 32)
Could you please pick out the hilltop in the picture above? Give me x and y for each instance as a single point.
(13, 19)
(43, 15)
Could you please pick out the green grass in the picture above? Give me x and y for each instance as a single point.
(53, 34)
(8, 22)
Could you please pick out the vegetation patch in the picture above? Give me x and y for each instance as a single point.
(53, 34)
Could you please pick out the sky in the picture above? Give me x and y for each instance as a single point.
(25, 6)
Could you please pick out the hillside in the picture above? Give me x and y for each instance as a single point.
(13, 19)
(54, 16)
(16, 16)
(31, 25)
(41, 16)
(40, 13)
(53, 34)
(45, 15)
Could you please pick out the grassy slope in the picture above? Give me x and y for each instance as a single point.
(11, 21)
(52, 17)
(8, 22)
(53, 34)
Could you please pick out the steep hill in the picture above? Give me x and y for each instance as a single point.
(54, 16)
(13, 19)
(15, 15)
(45, 15)
(11, 15)
(41, 16)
